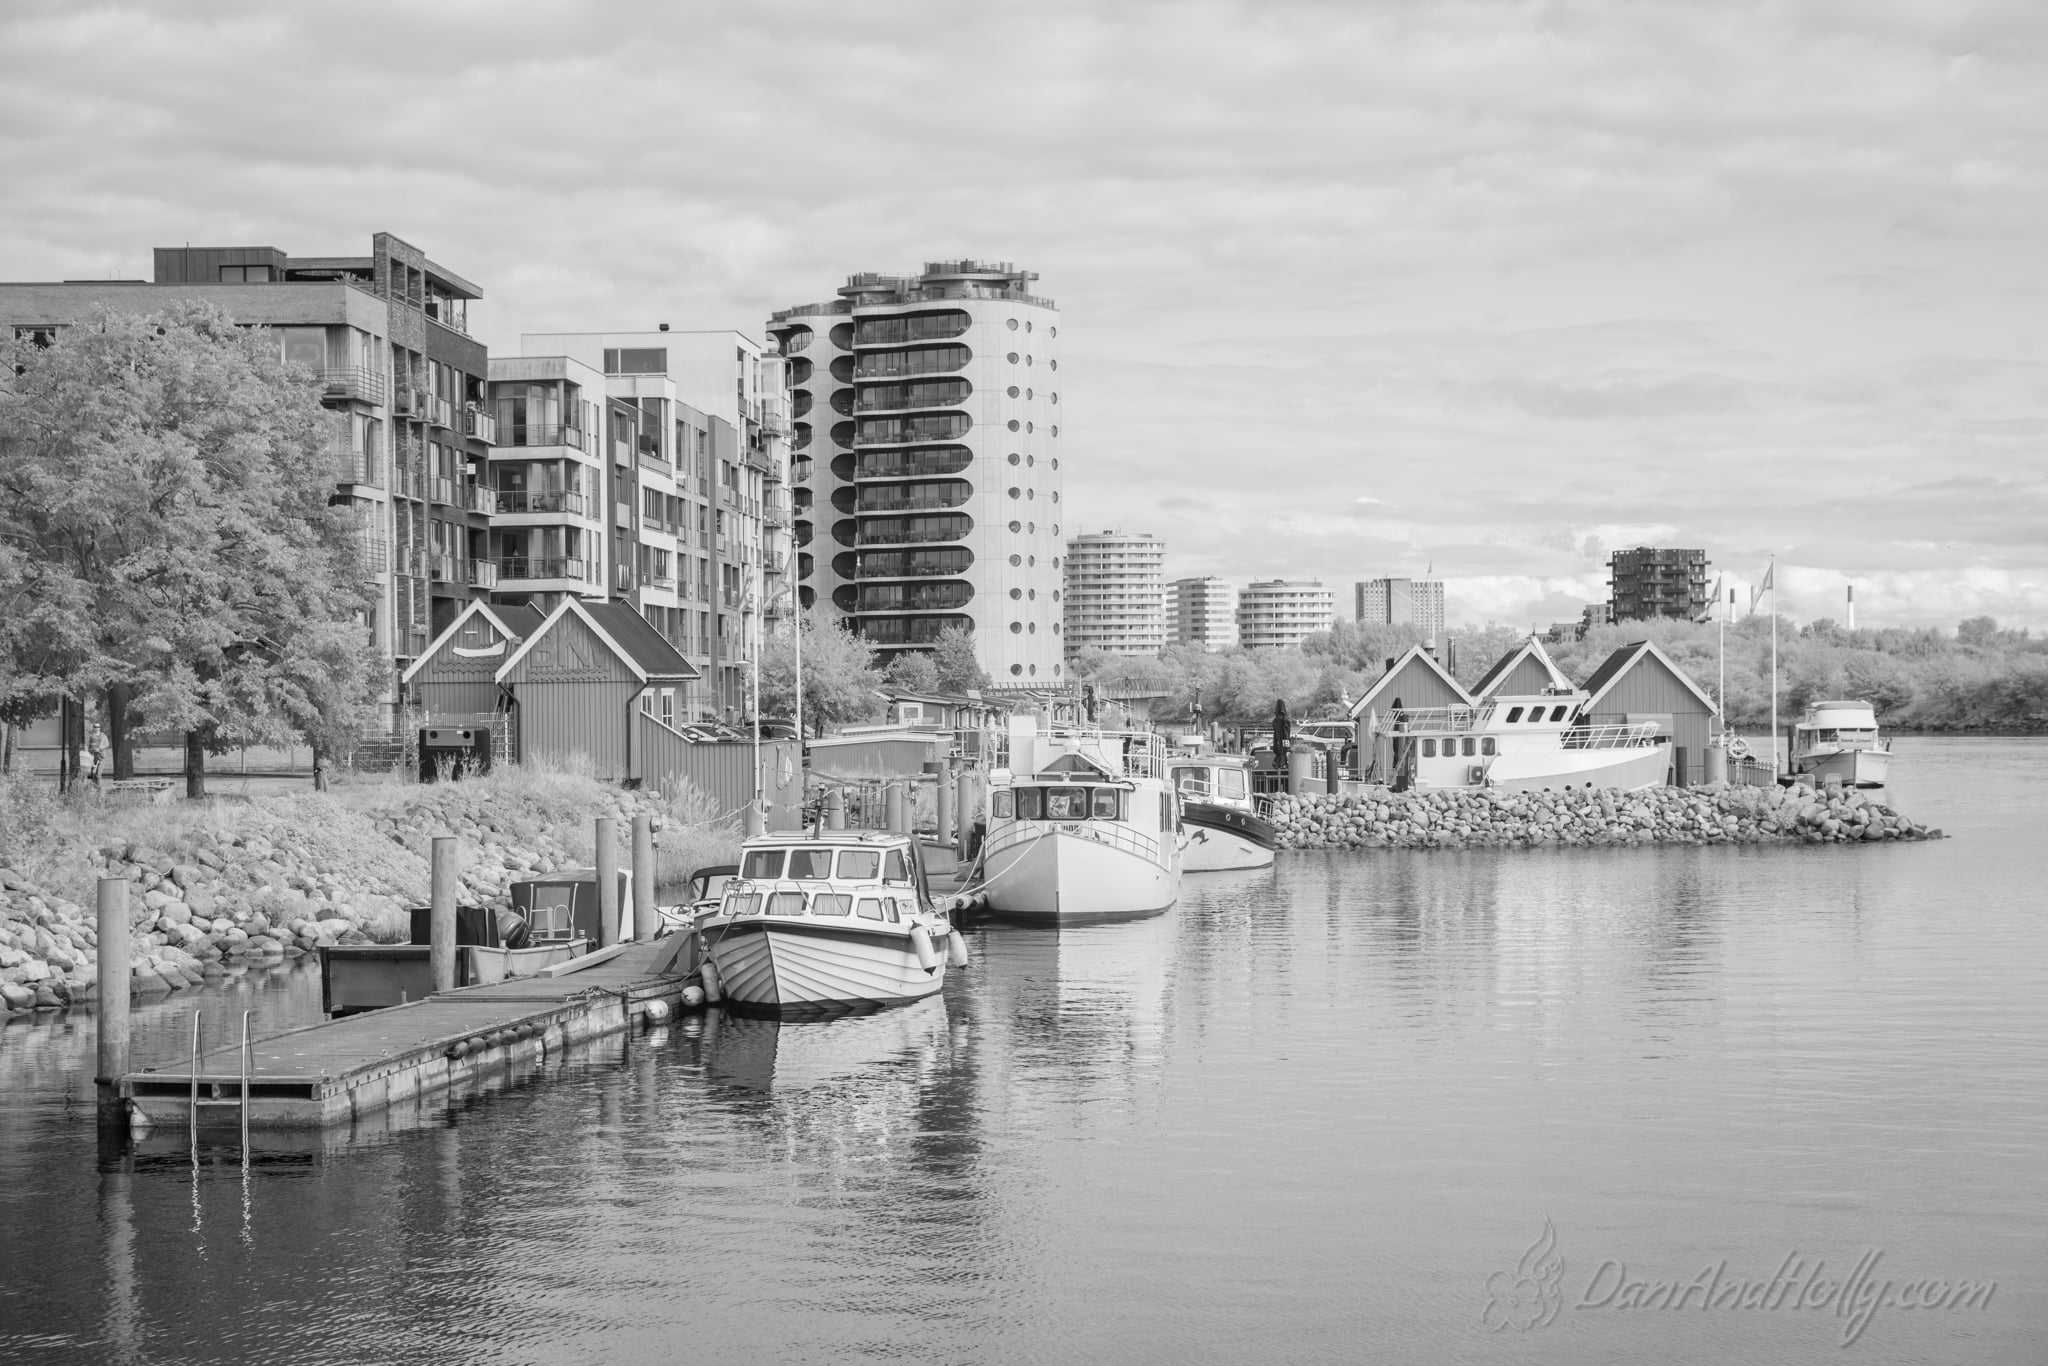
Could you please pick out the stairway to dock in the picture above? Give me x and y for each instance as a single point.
(346, 1070)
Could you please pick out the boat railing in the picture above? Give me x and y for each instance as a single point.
(1638, 736)
(1115, 834)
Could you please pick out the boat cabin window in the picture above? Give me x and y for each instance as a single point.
(810, 865)
(1030, 803)
(1514, 715)
(1193, 781)
(831, 903)
(786, 903)
(1469, 746)
(1066, 803)
(743, 903)
(1429, 749)
(1230, 782)
(1557, 713)
(870, 908)
(895, 868)
(858, 865)
(1166, 811)
(1106, 807)
(1486, 745)
(1002, 805)
(763, 863)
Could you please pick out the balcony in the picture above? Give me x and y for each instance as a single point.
(543, 567)
(665, 582)
(540, 500)
(622, 580)
(802, 468)
(436, 410)
(930, 398)
(442, 491)
(406, 402)
(537, 434)
(352, 382)
(924, 502)
(477, 498)
(443, 569)
(483, 574)
(479, 425)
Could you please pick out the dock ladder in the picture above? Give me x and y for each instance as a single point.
(246, 1054)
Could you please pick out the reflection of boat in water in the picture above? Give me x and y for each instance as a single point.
(1223, 831)
(766, 1054)
(1081, 825)
(1839, 742)
(836, 920)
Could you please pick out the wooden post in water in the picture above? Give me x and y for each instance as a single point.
(607, 882)
(944, 804)
(892, 809)
(646, 924)
(441, 914)
(114, 985)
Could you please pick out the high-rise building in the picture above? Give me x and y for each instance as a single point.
(1274, 612)
(1401, 602)
(1204, 613)
(1113, 594)
(386, 337)
(1647, 582)
(927, 474)
(689, 520)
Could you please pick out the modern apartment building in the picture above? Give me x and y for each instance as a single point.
(1647, 582)
(690, 439)
(1114, 593)
(1283, 612)
(1401, 602)
(386, 336)
(1203, 611)
(927, 461)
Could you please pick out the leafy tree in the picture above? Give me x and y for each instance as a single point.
(913, 671)
(953, 654)
(1978, 631)
(839, 674)
(166, 482)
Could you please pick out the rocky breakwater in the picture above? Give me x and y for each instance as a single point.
(1717, 814)
(225, 887)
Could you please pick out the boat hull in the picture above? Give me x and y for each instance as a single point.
(1064, 878)
(800, 966)
(1625, 769)
(1850, 767)
(1221, 838)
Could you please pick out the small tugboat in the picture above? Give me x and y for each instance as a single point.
(1223, 829)
(827, 922)
(1838, 742)
(1082, 825)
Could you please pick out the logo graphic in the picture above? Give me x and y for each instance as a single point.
(1530, 1295)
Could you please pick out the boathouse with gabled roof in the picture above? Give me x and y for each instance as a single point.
(1525, 671)
(578, 681)
(456, 676)
(1639, 683)
(1414, 681)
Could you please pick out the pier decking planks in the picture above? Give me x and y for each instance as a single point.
(343, 1070)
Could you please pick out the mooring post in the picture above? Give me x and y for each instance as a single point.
(607, 882)
(892, 810)
(835, 808)
(114, 986)
(646, 924)
(441, 914)
(757, 820)
(943, 805)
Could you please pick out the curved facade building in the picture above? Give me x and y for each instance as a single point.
(1115, 593)
(928, 483)
(1283, 612)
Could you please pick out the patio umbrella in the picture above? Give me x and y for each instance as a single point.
(1282, 733)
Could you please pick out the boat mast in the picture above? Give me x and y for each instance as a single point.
(1771, 581)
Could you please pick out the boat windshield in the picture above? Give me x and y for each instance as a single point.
(763, 863)
(858, 865)
(1060, 804)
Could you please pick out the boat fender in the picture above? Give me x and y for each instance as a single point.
(956, 949)
(693, 997)
(711, 989)
(921, 940)
(655, 1013)
(458, 1048)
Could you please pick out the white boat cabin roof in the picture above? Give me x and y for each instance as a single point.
(1846, 715)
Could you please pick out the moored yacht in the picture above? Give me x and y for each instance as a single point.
(1839, 742)
(1524, 743)
(833, 920)
(1082, 825)
(1223, 828)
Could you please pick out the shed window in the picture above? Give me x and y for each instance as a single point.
(1514, 715)
(811, 865)
(870, 908)
(763, 863)
(859, 864)
(831, 903)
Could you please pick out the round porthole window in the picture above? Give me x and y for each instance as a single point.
(1027, 360)
(1030, 460)
(1013, 424)
(1029, 494)
(1016, 560)
(1013, 457)
(1016, 593)
(1052, 398)
(1055, 528)
(1034, 628)
(1016, 628)
(1027, 327)
(1055, 668)
(1055, 459)
(1015, 492)
(1034, 671)
(1013, 391)
(1016, 526)
(1055, 495)
(1033, 526)
(1054, 331)
(1053, 363)
(1016, 668)
(1032, 561)
(1055, 432)
(1013, 358)
(1011, 323)
(1034, 595)
(1028, 427)
(1027, 393)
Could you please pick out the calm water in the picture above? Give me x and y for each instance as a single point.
(1302, 1117)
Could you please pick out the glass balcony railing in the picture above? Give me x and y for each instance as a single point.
(540, 500)
(480, 426)
(353, 381)
(543, 567)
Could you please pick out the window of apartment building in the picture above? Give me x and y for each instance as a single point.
(305, 346)
(239, 275)
(636, 360)
(42, 336)
(660, 565)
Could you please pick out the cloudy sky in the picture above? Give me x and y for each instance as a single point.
(1349, 289)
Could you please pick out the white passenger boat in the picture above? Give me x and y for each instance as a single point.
(1216, 813)
(1524, 744)
(1082, 825)
(829, 921)
(1839, 742)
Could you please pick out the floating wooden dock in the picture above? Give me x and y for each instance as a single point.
(346, 1070)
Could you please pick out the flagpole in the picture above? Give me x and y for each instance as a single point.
(1772, 575)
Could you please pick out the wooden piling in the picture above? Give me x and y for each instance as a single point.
(835, 808)
(607, 882)
(646, 924)
(111, 1021)
(893, 810)
(944, 806)
(441, 915)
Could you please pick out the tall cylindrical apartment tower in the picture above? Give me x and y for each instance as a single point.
(932, 495)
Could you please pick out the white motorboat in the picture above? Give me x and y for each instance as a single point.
(1223, 828)
(830, 921)
(1528, 743)
(1839, 742)
(1082, 825)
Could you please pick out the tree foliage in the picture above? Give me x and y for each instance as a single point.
(953, 655)
(164, 516)
(839, 675)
